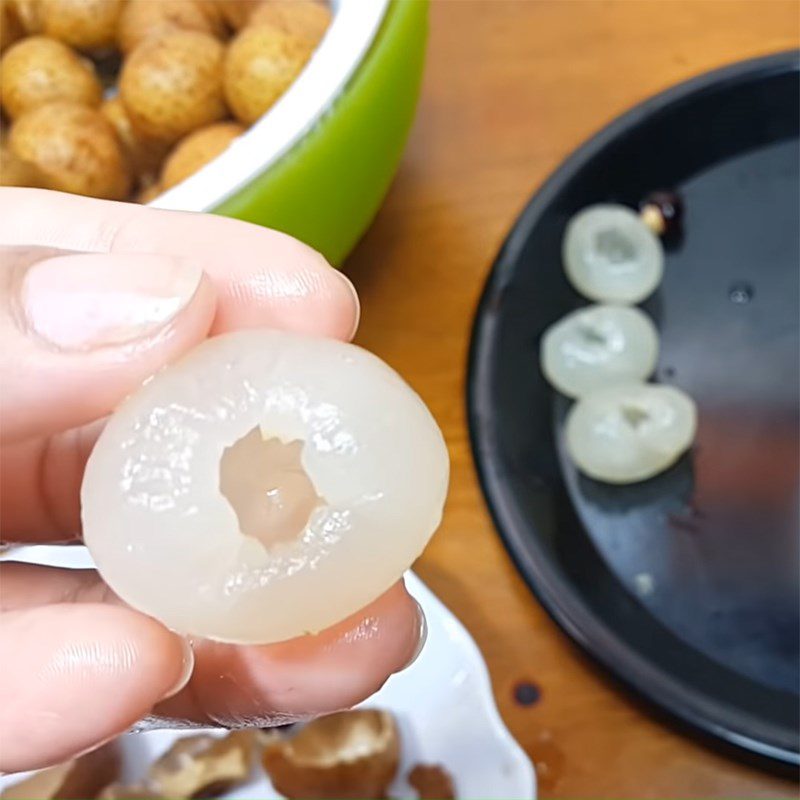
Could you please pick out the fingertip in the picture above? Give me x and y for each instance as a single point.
(90, 328)
(262, 277)
(78, 303)
(202, 309)
(310, 675)
(410, 625)
(418, 636)
(186, 669)
(274, 280)
(75, 675)
(355, 308)
(162, 661)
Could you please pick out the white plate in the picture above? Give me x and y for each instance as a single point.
(443, 703)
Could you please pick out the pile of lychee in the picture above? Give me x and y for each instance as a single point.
(124, 99)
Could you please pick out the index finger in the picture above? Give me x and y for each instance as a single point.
(262, 277)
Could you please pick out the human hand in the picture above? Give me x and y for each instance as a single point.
(79, 331)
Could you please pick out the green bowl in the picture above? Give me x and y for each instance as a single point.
(324, 184)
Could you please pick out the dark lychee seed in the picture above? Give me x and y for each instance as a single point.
(662, 212)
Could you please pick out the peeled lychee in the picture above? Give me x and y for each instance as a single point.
(630, 432)
(599, 346)
(611, 256)
(266, 486)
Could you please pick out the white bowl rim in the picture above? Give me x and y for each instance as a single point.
(352, 31)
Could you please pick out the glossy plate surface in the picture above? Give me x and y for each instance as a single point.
(685, 586)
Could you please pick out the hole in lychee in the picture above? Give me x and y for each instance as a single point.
(634, 415)
(593, 335)
(614, 247)
(264, 481)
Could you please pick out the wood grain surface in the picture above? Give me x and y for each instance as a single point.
(511, 88)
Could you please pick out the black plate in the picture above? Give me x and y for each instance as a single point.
(684, 586)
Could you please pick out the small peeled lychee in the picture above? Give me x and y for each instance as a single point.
(196, 150)
(260, 64)
(630, 432)
(611, 256)
(265, 486)
(39, 70)
(172, 84)
(349, 755)
(598, 346)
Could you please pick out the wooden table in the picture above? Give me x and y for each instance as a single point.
(512, 86)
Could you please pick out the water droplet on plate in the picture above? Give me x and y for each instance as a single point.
(741, 293)
(644, 583)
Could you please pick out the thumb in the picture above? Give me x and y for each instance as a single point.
(74, 676)
(81, 331)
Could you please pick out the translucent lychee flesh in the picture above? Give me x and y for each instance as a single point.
(265, 486)
(611, 256)
(598, 346)
(628, 433)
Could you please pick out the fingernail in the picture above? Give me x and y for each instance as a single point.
(356, 301)
(83, 302)
(186, 671)
(422, 636)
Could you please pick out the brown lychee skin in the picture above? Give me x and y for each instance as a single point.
(16, 172)
(40, 70)
(10, 26)
(237, 12)
(149, 193)
(196, 150)
(74, 148)
(260, 64)
(172, 85)
(145, 19)
(304, 18)
(144, 155)
(27, 12)
(84, 24)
